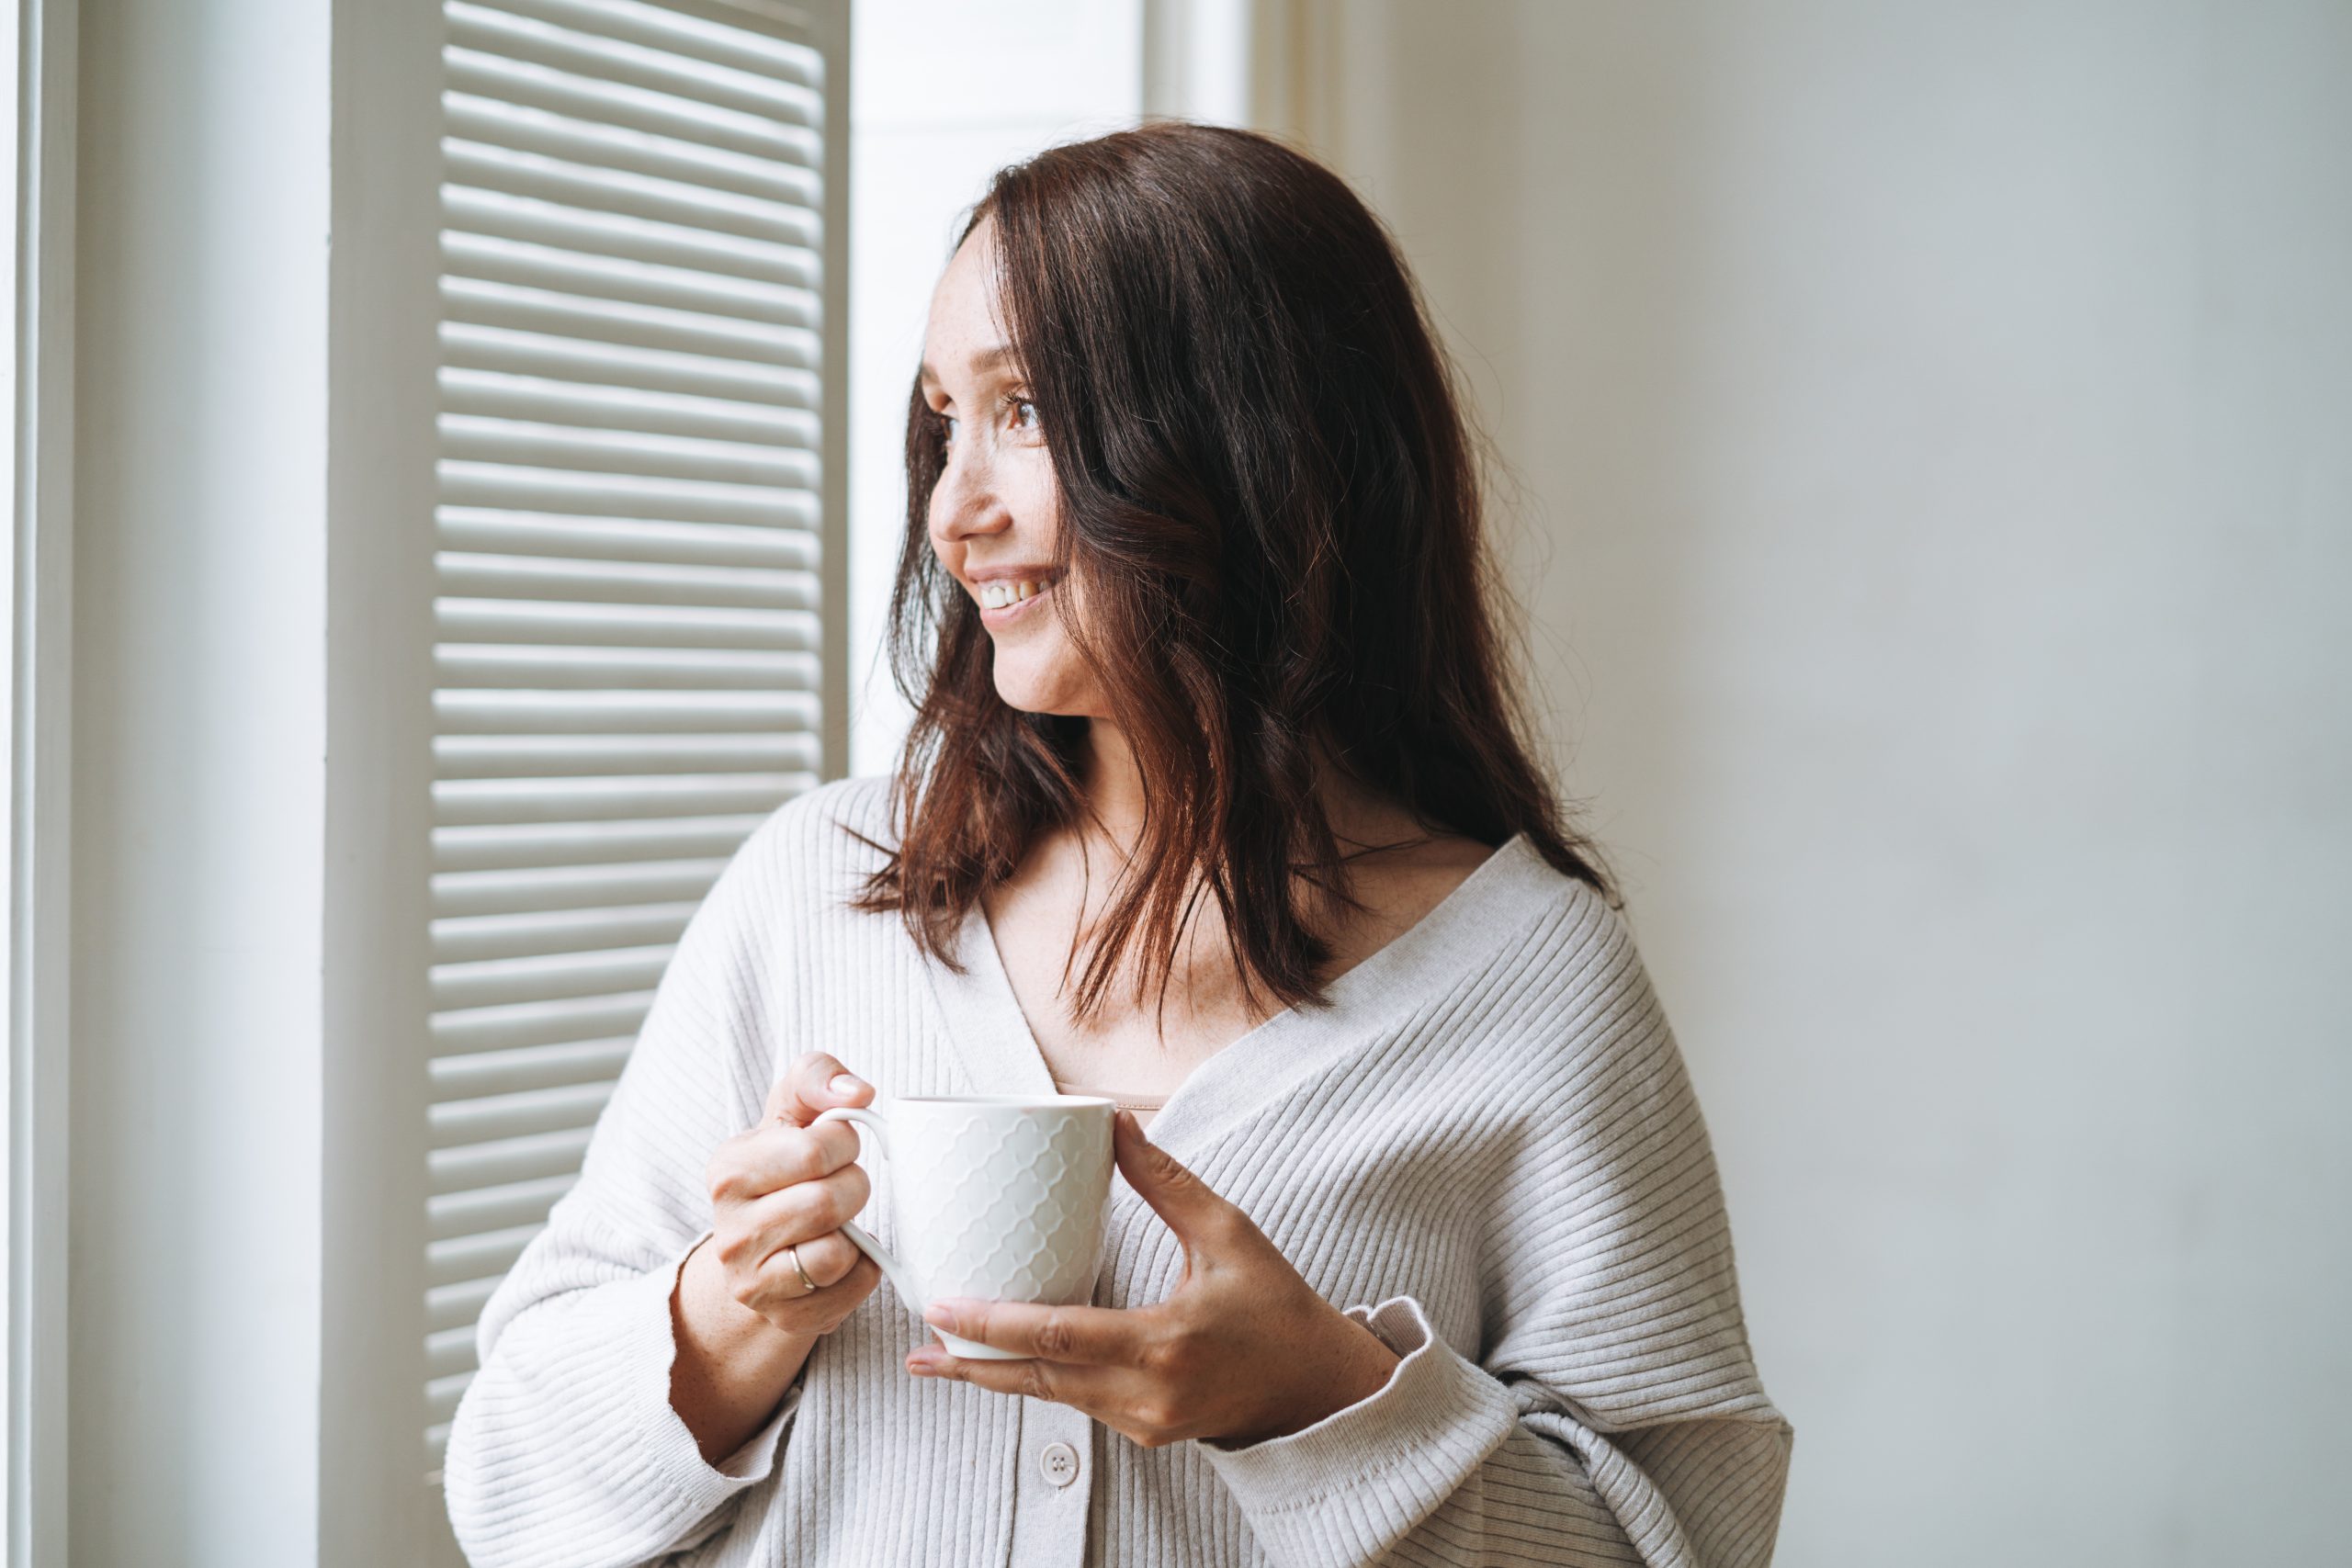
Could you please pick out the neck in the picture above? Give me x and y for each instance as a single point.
(1113, 784)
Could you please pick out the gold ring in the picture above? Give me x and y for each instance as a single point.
(808, 1285)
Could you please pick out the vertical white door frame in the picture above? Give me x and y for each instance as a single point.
(383, 310)
(40, 753)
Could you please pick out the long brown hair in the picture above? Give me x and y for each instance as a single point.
(1270, 502)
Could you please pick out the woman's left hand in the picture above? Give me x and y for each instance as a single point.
(1243, 1351)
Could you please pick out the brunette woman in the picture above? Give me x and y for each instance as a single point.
(1218, 802)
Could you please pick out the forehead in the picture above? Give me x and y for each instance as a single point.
(964, 334)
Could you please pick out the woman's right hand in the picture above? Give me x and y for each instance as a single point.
(781, 1184)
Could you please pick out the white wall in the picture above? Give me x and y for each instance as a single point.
(1931, 426)
(942, 94)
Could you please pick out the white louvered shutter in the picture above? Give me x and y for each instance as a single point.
(637, 638)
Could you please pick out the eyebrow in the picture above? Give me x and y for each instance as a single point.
(988, 359)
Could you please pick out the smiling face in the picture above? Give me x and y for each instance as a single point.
(994, 512)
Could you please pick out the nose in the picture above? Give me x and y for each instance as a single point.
(966, 502)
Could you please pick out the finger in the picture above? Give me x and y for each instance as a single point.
(828, 1259)
(1180, 1198)
(782, 1298)
(778, 1154)
(1087, 1334)
(814, 1083)
(1089, 1389)
(806, 1210)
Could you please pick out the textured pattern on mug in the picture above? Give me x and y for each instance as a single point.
(999, 1174)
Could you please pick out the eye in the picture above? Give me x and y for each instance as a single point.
(1024, 415)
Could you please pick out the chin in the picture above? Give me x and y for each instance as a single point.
(1036, 690)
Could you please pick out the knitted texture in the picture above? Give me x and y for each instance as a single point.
(1486, 1149)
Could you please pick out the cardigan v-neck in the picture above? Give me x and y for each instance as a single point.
(1506, 892)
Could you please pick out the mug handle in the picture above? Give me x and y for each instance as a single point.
(902, 1278)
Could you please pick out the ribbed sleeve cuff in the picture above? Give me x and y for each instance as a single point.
(650, 1352)
(566, 1451)
(1345, 1490)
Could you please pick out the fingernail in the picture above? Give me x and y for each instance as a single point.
(847, 1083)
(922, 1363)
(939, 1317)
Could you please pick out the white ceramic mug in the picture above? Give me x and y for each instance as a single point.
(998, 1197)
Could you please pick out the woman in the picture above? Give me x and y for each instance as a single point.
(1216, 802)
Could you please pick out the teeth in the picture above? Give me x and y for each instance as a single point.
(997, 596)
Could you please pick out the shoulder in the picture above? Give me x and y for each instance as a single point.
(861, 804)
(810, 855)
(1579, 970)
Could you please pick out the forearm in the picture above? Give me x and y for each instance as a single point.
(1442, 1465)
(733, 1365)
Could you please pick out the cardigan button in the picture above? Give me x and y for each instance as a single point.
(1059, 1461)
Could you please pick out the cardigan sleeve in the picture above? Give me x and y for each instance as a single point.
(1614, 1415)
(564, 1450)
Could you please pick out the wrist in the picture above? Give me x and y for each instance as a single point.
(716, 1322)
(1355, 1364)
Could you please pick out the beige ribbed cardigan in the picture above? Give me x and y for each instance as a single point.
(1486, 1150)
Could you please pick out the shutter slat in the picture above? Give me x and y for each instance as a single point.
(517, 845)
(467, 938)
(513, 1159)
(465, 483)
(474, 574)
(516, 1115)
(449, 1352)
(518, 443)
(478, 166)
(441, 1395)
(634, 23)
(488, 304)
(612, 714)
(625, 625)
(447, 1307)
(487, 1209)
(493, 395)
(532, 219)
(628, 668)
(491, 75)
(472, 1256)
(475, 892)
(463, 803)
(651, 70)
(627, 539)
(497, 981)
(520, 127)
(487, 262)
(535, 756)
(536, 1023)
(539, 1066)
(501, 349)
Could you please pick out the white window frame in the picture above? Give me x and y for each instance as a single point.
(39, 607)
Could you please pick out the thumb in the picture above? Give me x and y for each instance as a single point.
(814, 1083)
(1191, 1210)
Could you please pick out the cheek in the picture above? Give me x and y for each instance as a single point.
(1032, 496)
